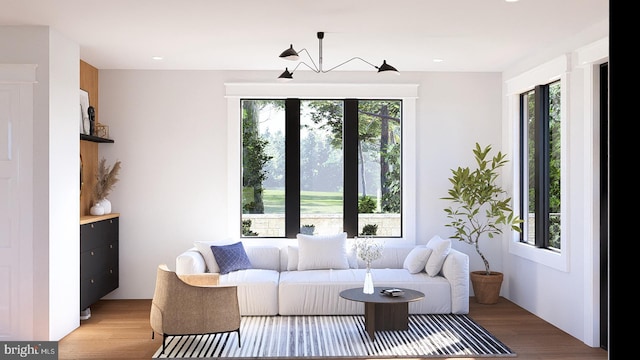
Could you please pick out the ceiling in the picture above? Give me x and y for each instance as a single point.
(468, 35)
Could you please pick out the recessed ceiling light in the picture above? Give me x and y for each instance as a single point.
(157, 57)
(438, 60)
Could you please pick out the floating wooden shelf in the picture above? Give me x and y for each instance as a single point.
(95, 139)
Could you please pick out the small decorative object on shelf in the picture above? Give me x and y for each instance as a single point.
(96, 209)
(105, 181)
(92, 120)
(84, 112)
(368, 250)
(101, 131)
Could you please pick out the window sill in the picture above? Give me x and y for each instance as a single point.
(552, 259)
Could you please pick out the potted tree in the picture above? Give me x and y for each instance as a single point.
(481, 208)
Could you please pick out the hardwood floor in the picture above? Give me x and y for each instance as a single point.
(119, 329)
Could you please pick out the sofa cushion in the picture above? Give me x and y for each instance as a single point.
(257, 290)
(231, 257)
(292, 257)
(441, 248)
(322, 252)
(416, 261)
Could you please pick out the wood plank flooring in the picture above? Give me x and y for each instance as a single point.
(119, 329)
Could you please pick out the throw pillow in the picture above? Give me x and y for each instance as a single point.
(292, 258)
(204, 247)
(322, 252)
(231, 257)
(441, 248)
(417, 258)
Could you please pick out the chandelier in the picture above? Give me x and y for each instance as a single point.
(291, 54)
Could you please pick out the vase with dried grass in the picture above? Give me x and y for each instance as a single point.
(106, 178)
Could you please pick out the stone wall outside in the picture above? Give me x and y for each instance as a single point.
(269, 225)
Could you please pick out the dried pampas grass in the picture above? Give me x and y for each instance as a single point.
(105, 179)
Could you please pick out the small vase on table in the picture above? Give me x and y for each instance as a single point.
(368, 281)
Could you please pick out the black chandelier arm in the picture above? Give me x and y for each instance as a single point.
(353, 58)
(305, 64)
(314, 68)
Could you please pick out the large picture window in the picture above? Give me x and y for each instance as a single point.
(321, 166)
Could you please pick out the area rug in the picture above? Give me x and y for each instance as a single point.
(340, 336)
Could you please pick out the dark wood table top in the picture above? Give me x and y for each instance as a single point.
(377, 297)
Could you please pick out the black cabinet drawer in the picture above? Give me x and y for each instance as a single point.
(96, 260)
(95, 287)
(98, 234)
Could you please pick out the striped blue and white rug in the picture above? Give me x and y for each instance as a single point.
(340, 336)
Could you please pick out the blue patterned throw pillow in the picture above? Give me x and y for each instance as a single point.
(231, 257)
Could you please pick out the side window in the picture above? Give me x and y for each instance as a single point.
(540, 151)
(321, 166)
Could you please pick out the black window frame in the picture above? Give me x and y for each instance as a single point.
(542, 157)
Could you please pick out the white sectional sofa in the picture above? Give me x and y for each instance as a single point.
(273, 285)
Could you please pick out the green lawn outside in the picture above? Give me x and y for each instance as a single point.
(311, 202)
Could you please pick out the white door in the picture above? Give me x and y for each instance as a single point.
(16, 233)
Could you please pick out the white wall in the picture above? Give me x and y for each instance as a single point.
(64, 147)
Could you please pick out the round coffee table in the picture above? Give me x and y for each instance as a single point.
(383, 312)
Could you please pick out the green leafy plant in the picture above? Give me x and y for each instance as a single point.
(246, 228)
(366, 205)
(480, 206)
(369, 229)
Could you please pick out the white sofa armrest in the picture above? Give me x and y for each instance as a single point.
(456, 270)
(190, 262)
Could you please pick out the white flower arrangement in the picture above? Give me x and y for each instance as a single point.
(368, 249)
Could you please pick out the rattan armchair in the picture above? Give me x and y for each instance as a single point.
(184, 307)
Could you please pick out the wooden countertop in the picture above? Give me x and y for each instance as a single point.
(88, 219)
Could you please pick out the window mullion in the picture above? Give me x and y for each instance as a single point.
(350, 149)
(542, 165)
(292, 167)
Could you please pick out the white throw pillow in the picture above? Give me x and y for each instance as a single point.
(417, 258)
(204, 247)
(322, 252)
(441, 248)
(292, 258)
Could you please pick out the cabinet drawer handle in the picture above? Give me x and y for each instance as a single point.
(92, 281)
(92, 253)
(110, 246)
(92, 226)
(110, 271)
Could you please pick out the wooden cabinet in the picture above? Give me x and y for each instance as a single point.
(99, 270)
